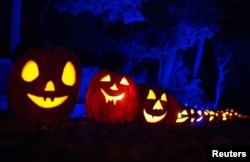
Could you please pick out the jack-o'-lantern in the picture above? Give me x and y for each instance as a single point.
(111, 98)
(230, 113)
(240, 116)
(156, 106)
(190, 117)
(183, 116)
(199, 117)
(213, 116)
(44, 84)
(218, 116)
(186, 117)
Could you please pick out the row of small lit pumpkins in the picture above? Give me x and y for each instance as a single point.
(44, 85)
(190, 116)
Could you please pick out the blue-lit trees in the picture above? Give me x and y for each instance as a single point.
(110, 12)
(223, 58)
(15, 32)
(195, 22)
(232, 55)
(134, 51)
(187, 91)
(190, 23)
(127, 11)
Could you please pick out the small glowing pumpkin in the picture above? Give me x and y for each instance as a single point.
(190, 116)
(44, 84)
(111, 98)
(185, 117)
(214, 116)
(156, 106)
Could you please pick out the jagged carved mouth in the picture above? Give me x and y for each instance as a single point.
(113, 99)
(181, 120)
(200, 116)
(47, 102)
(153, 119)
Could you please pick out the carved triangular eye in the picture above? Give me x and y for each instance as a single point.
(184, 112)
(124, 81)
(164, 97)
(30, 71)
(192, 111)
(106, 78)
(151, 94)
(69, 74)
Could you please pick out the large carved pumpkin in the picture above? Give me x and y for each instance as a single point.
(44, 84)
(111, 98)
(156, 106)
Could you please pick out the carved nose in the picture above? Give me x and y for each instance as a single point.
(49, 86)
(114, 87)
(158, 105)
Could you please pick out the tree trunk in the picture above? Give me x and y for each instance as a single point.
(198, 58)
(222, 61)
(218, 88)
(15, 31)
(127, 65)
(166, 64)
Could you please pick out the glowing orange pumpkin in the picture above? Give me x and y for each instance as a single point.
(212, 116)
(44, 84)
(156, 106)
(218, 116)
(190, 116)
(111, 98)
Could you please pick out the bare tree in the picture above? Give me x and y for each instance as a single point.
(196, 23)
(223, 57)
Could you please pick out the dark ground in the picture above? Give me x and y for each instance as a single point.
(83, 140)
